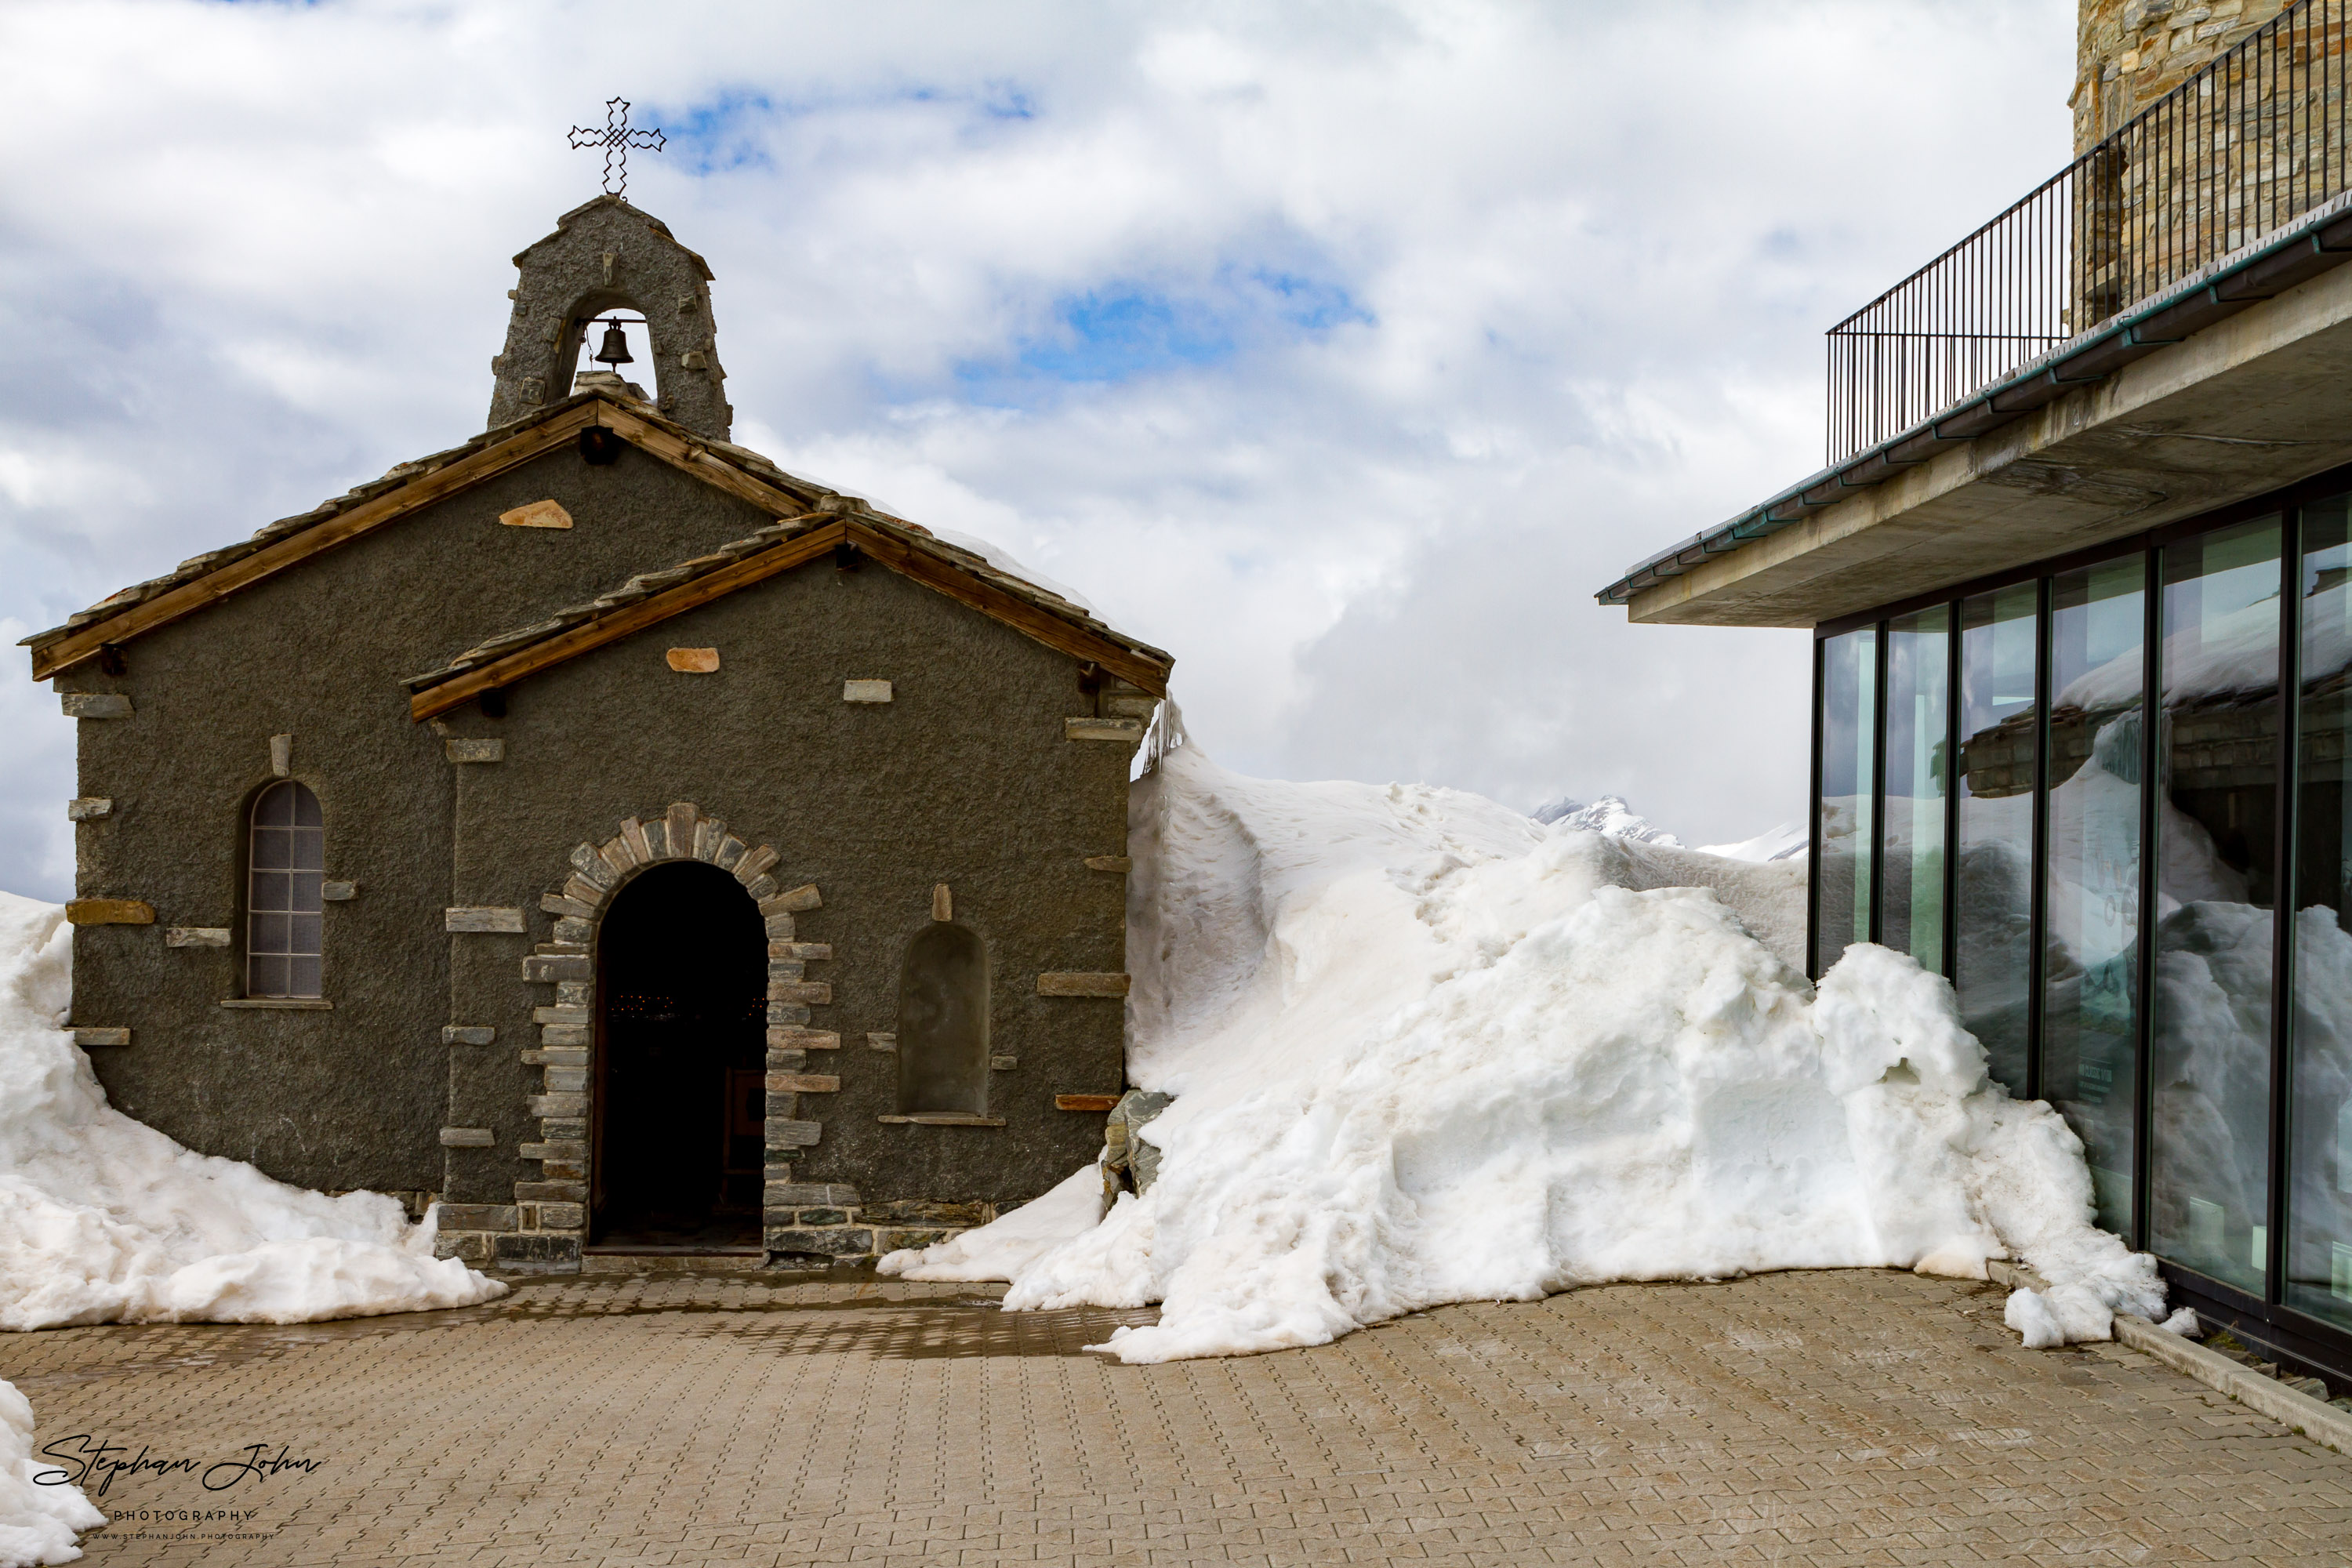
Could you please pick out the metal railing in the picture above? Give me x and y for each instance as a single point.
(2254, 139)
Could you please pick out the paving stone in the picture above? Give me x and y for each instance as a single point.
(1854, 1417)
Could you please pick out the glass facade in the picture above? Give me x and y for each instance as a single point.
(2091, 881)
(2216, 798)
(2319, 1125)
(2001, 731)
(1845, 827)
(1918, 783)
(2071, 794)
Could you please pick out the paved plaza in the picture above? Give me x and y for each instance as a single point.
(1851, 1418)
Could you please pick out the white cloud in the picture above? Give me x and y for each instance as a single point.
(1415, 323)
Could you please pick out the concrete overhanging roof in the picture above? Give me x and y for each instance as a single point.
(2253, 402)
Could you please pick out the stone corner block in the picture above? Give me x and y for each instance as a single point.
(885, 1241)
(467, 1248)
(538, 1252)
(551, 1192)
(473, 918)
(809, 1195)
(1130, 731)
(1083, 985)
(792, 901)
(785, 1134)
(845, 1241)
(96, 705)
(111, 912)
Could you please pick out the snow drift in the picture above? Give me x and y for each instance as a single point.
(1425, 1050)
(103, 1219)
(37, 1523)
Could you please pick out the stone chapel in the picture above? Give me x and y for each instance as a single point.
(646, 853)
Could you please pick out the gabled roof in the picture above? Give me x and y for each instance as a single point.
(905, 548)
(809, 511)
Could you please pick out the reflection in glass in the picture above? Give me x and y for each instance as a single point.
(1919, 678)
(1849, 726)
(2211, 1072)
(1991, 970)
(2319, 1147)
(2090, 1007)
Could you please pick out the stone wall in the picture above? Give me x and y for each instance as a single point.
(2129, 53)
(608, 257)
(991, 782)
(353, 1094)
(452, 1048)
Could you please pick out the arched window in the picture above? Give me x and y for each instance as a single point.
(286, 858)
(943, 1022)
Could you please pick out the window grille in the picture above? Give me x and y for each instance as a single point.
(286, 860)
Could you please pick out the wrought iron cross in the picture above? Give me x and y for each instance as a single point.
(616, 138)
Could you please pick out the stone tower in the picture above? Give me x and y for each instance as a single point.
(603, 256)
(2129, 53)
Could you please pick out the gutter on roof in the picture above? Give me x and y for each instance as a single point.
(2319, 242)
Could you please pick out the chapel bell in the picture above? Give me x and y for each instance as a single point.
(616, 346)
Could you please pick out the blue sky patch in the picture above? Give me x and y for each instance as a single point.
(1119, 333)
(717, 136)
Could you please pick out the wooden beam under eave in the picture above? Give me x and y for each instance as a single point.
(460, 689)
(80, 647)
(1030, 620)
(703, 465)
(890, 552)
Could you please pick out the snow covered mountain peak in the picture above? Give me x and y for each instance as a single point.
(1610, 815)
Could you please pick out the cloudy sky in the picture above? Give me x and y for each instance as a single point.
(1342, 349)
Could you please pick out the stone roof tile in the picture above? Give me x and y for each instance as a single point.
(827, 506)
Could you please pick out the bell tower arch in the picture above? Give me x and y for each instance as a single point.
(608, 256)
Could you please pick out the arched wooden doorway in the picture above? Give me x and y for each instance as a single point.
(681, 960)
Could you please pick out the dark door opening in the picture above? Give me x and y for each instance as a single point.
(682, 983)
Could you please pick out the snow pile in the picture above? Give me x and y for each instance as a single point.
(103, 1219)
(37, 1523)
(1428, 1051)
(999, 1251)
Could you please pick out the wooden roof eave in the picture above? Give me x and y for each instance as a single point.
(1145, 668)
(83, 644)
(55, 655)
(910, 561)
